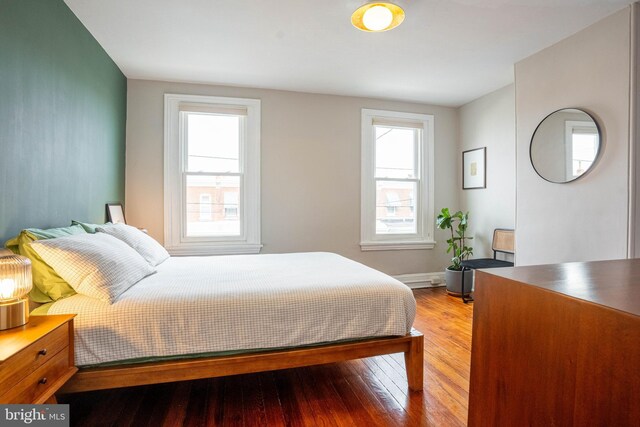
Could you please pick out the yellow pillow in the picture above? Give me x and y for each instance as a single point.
(47, 284)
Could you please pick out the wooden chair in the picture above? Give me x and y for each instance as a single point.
(503, 242)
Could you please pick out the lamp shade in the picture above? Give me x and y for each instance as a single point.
(15, 284)
(15, 277)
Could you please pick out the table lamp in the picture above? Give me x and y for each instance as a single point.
(15, 284)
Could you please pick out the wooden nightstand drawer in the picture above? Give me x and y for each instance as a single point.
(31, 358)
(36, 359)
(41, 383)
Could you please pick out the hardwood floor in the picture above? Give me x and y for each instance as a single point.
(367, 392)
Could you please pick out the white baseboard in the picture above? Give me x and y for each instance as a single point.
(421, 280)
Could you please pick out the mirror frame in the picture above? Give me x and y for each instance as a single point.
(596, 158)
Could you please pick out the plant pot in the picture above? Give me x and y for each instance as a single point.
(453, 279)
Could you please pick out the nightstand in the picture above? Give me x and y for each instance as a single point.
(36, 359)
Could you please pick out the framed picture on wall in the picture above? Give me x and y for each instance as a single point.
(115, 213)
(474, 172)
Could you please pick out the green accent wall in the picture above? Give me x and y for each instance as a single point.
(63, 105)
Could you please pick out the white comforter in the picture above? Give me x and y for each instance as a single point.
(243, 302)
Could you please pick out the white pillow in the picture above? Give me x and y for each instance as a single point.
(144, 244)
(96, 265)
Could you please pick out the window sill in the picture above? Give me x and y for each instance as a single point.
(396, 245)
(204, 250)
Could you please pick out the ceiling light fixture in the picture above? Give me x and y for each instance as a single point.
(377, 17)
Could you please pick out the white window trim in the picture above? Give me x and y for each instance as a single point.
(249, 241)
(425, 212)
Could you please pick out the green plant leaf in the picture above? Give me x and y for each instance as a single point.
(457, 223)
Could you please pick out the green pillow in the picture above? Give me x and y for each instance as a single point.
(52, 233)
(89, 228)
(12, 245)
(47, 284)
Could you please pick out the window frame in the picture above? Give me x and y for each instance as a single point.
(425, 215)
(175, 150)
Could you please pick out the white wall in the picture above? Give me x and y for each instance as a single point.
(490, 122)
(586, 219)
(310, 165)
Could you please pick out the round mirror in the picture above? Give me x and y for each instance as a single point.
(565, 145)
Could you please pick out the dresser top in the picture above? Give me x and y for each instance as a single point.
(614, 284)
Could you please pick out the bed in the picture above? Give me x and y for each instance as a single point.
(199, 317)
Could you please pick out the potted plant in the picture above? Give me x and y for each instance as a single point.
(457, 223)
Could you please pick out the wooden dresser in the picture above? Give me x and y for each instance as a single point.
(557, 345)
(36, 359)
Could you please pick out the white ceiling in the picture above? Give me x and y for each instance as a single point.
(446, 52)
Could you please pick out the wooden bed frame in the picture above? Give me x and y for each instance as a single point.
(411, 345)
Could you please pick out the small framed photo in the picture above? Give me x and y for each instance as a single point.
(115, 213)
(474, 172)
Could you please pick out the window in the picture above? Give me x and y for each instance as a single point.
(212, 170)
(392, 203)
(582, 143)
(397, 181)
(205, 207)
(231, 204)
